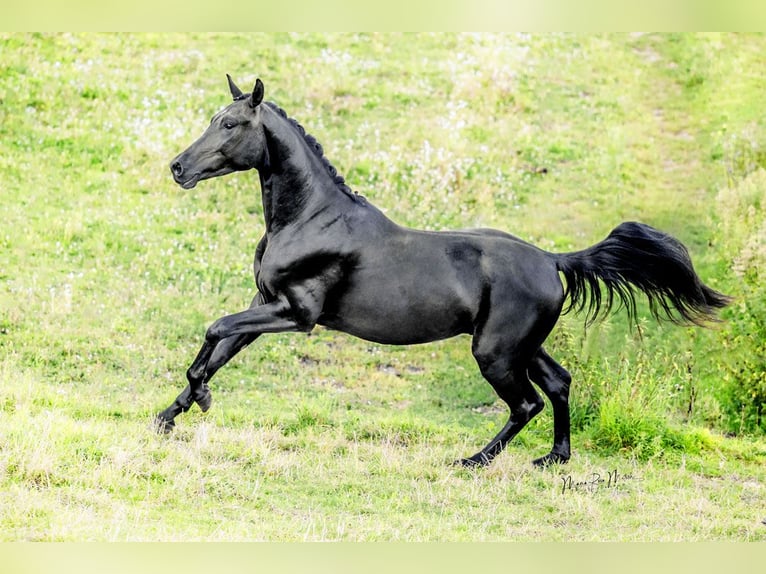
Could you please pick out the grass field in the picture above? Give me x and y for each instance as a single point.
(110, 274)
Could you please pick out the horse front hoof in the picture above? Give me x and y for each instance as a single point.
(204, 400)
(475, 461)
(163, 425)
(550, 459)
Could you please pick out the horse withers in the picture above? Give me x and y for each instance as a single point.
(329, 257)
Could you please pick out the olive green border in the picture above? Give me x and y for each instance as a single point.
(340, 15)
(385, 15)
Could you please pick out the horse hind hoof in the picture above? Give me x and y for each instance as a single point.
(549, 460)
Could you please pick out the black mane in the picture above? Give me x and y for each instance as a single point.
(316, 147)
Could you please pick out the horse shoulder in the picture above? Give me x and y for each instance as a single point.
(298, 259)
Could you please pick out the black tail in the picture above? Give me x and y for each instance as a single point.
(635, 255)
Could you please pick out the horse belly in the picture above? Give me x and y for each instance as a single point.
(400, 312)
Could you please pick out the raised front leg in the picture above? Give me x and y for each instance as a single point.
(275, 317)
(223, 353)
(224, 339)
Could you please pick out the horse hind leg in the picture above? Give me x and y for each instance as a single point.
(524, 403)
(554, 380)
(504, 345)
(503, 356)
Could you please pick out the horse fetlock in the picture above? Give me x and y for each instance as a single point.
(204, 398)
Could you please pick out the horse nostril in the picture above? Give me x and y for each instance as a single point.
(177, 169)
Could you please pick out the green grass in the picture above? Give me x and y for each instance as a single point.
(110, 274)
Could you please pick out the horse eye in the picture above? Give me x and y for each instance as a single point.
(229, 125)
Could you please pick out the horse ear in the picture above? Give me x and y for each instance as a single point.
(236, 93)
(257, 96)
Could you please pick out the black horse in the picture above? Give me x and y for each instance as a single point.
(329, 257)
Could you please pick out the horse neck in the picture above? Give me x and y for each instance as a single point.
(295, 183)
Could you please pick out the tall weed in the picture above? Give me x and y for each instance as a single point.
(629, 393)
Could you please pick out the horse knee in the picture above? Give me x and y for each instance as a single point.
(214, 332)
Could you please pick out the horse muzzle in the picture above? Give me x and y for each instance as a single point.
(181, 175)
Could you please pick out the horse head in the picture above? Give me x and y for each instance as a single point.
(234, 141)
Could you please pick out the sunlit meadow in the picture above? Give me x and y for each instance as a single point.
(110, 275)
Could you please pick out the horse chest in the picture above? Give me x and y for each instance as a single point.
(268, 275)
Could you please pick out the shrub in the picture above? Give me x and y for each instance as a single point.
(743, 236)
